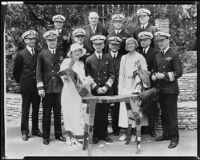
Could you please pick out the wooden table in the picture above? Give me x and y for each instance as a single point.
(133, 114)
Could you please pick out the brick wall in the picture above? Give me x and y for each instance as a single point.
(187, 104)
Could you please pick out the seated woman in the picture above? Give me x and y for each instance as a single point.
(129, 82)
(76, 84)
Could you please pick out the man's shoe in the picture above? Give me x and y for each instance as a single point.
(152, 133)
(61, 138)
(161, 138)
(46, 141)
(107, 139)
(37, 133)
(95, 140)
(25, 137)
(173, 144)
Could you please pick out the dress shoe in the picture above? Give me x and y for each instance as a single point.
(95, 140)
(107, 139)
(122, 138)
(116, 133)
(152, 133)
(37, 133)
(61, 138)
(161, 138)
(25, 137)
(173, 144)
(46, 141)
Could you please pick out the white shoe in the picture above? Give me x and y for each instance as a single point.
(68, 141)
(122, 138)
(76, 142)
(133, 138)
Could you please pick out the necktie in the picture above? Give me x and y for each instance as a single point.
(142, 27)
(53, 51)
(144, 51)
(99, 57)
(93, 29)
(162, 52)
(33, 52)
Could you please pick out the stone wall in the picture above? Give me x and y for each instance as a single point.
(187, 104)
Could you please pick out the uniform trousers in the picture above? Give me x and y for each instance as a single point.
(51, 100)
(168, 106)
(29, 98)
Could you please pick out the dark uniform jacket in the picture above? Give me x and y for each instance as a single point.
(100, 30)
(24, 71)
(48, 65)
(124, 36)
(63, 44)
(149, 56)
(171, 65)
(116, 66)
(149, 28)
(101, 71)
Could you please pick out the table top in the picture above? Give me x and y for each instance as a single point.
(111, 99)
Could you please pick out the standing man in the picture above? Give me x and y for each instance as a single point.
(115, 56)
(167, 69)
(93, 28)
(119, 31)
(50, 85)
(24, 73)
(143, 18)
(64, 40)
(78, 36)
(99, 67)
(145, 39)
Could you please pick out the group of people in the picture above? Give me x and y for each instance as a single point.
(91, 61)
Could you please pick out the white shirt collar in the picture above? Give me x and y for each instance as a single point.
(52, 50)
(146, 49)
(144, 25)
(30, 49)
(118, 31)
(112, 54)
(59, 30)
(97, 54)
(166, 50)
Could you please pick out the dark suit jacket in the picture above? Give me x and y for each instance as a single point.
(24, 71)
(124, 36)
(48, 65)
(149, 56)
(101, 71)
(149, 28)
(89, 33)
(116, 66)
(166, 63)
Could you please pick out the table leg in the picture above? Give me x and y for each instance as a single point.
(85, 138)
(135, 106)
(92, 106)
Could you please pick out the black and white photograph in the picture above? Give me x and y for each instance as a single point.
(100, 79)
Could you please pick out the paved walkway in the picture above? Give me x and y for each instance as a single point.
(17, 148)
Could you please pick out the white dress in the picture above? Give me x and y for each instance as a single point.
(127, 85)
(73, 108)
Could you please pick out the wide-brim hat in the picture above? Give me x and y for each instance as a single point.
(76, 46)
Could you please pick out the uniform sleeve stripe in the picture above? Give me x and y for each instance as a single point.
(40, 84)
(109, 82)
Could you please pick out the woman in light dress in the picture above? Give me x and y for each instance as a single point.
(127, 84)
(73, 108)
